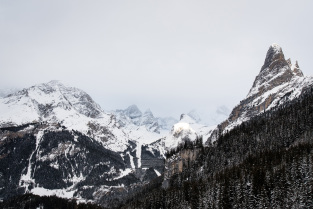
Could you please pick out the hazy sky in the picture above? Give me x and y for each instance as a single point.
(170, 56)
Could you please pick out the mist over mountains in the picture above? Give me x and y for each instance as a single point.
(56, 140)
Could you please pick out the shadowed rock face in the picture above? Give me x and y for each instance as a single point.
(274, 58)
(274, 72)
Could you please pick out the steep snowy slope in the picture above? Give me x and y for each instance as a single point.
(55, 103)
(278, 81)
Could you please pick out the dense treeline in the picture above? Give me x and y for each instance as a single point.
(47, 202)
(265, 162)
(186, 144)
(271, 179)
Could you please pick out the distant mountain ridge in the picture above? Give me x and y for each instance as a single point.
(132, 115)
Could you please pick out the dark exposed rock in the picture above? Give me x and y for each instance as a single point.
(57, 160)
(151, 156)
(274, 58)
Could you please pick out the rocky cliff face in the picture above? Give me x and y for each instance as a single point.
(278, 81)
(179, 161)
(274, 72)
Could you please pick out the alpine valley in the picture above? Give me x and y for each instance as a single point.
(56, 140)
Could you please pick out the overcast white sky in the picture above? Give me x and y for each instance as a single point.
(169, 56)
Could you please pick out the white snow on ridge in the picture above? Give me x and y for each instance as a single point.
(54, 103)
(63, 193)
(20, 113)
(123, 173)
(187, 129)
(157, 172)
(70, 107)
(276, 48)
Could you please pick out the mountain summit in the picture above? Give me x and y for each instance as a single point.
(278, 82)
(50, 101)
(274, 72)
(274, 57)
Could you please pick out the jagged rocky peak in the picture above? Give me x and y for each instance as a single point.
(274, 57)
(296, 69)
(48, 88)
(50, 101)
(147, 117)
(278, 82)
(274, 72)
(150, 121)
(133, 116)
(133, 112)
(74, 97)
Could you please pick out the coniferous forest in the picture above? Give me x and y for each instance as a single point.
(266, 162)
(47, 202)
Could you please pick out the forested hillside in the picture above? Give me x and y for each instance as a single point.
(265, 162)
(47, 202)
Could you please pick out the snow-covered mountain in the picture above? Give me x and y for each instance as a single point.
(71, 107)
(55, 139)
(191, 126)
(133, 116)
(143, 127)
(279, 81)
(64, 130)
